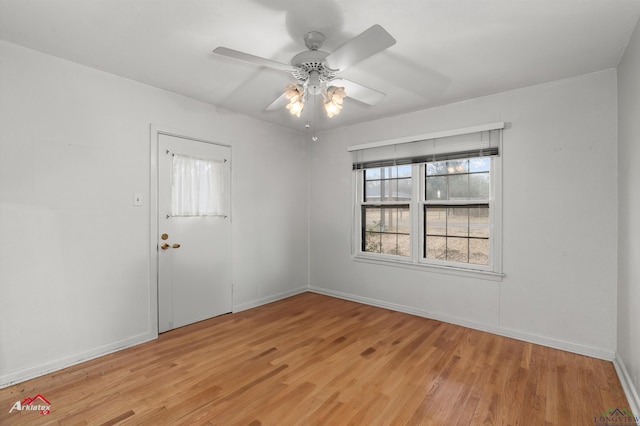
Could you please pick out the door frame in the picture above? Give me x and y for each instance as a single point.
(154, 232)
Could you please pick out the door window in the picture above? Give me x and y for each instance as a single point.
(197, 187)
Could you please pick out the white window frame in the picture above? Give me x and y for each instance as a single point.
(360, 203)
(416, 260)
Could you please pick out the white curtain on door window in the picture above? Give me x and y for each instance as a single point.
(197, 187)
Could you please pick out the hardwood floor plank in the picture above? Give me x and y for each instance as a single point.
(317, 360)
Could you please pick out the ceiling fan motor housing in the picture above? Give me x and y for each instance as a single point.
(311, 60)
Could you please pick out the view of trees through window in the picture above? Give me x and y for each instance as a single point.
(387, 228)
(457, 234)
(455, 205)
(455, 230)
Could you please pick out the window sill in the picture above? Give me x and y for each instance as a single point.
(448, 270)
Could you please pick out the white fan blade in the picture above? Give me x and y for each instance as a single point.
(359, 92)
(224, 51)
(368, 43)
(279, 104)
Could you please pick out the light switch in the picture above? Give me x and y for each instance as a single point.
(137, 199)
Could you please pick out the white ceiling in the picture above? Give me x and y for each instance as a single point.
(446, 50)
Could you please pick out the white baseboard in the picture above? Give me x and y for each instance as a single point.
(48, 367)
(502, 331)
(268, 299)
(630, 390)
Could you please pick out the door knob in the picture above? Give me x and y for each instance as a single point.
(176, 245)
(164, 236)
(164, 246)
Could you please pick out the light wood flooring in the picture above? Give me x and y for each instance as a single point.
(313, 359)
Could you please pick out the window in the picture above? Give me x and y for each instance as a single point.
(456, 210)
(197, 187)
(386, 219)
(430, 203)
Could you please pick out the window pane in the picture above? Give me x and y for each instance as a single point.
(372, 242)
(457, 234)
(388, 184)
(479, 164)
(404, 245)
(392, 193)
(386, 188)
(391, 172)
(467, 179)
(403, 216)
(458, 222)
(387, 230)
(457, 166)
(459, 187)
(437, 168)
(436, 220)
(404, 190)
(372, 190)
(436, 248)
(404, 171)
(376, 220)
(396, 220)
(458, 249)
(389, 221)
(389, 243)
(370, 174)
(479, 222)
(479, 251)
(436, 188)
(479, 186)
(372, 219)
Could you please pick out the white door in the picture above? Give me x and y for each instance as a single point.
(194, 244)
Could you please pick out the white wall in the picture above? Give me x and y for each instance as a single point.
(628, 223)
(74, 251)
(560, 218)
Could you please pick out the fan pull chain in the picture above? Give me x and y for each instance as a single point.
(314, 137)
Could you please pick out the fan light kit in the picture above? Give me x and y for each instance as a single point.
(314, 78)
(297, 95)
(316, 71)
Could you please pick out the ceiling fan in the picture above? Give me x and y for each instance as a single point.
(316, 71)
